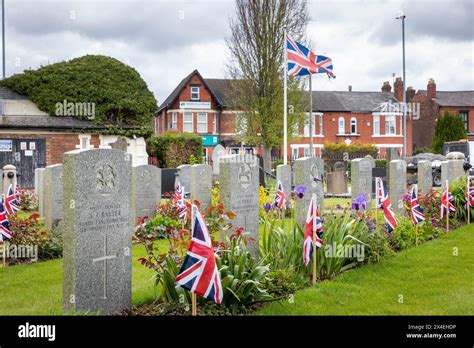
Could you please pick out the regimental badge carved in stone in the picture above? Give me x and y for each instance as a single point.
(314, 175)
(245, 175)
(105, 178)
(146, 178)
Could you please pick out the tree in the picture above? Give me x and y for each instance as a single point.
(118, 92)
(257, 66)
(450, 127)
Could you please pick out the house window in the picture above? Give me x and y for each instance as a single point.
(306, 125)
(295, 152)
(194, 92)
(174, 120)
(341, 126)
(202, 122)
(84, 142)
(214, 124)
(235, 151)
(320, 124)
(306, 152)
(377, 125)
(353, 125)
(390, 125)
(249, 151)
(188, 122)
(464, 115)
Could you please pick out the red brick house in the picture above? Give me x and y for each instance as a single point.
(433, 104)
(203, 106)
(30, 138)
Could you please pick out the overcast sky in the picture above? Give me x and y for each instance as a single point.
(166, 40)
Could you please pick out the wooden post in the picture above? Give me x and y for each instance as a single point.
(468, 207)
(194, 304)
(4, 254)
(416, 234)
(315, 207)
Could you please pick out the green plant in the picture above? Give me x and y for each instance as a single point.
(458, 190)
(380, 163)
(119, 94)
(425, 149)
(450, 127)
(28, 200)
(173, 149)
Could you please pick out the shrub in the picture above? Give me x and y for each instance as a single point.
(173, 149)
(119, 93)
(28, 200)
(336, 150)
(380, 163)
(450, 127)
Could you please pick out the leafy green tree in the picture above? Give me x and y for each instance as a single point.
(120, 95)
(450, 127)
(257, 64)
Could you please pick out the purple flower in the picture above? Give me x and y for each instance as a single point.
(359, 203)
(267, 207)
(299, 190)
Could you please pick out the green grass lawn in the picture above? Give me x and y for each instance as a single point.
(35, 289)
(429, 279)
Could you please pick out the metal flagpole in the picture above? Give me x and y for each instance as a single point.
(193, 295)
(3, 36)
(310, 115)
(314, 236)
(285, 102)
(402, 17)
(468, 207)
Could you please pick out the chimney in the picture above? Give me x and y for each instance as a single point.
(398, 89)
(410, 94)
(386, 87)
(431, 89)
(350, 88)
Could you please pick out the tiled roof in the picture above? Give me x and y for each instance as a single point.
(49, 122)
(346, 101)
(454, 98)
(7, 93)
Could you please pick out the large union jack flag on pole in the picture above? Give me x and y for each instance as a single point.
(313, 224)
(5, 231)
(416, 212)
(447, 200)
(11, 203)
(383, 202)
(199, 273)
(301, 61)
(280, 197)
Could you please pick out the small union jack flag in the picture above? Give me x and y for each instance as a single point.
(447, 201)
(383, 202)
(11, 204)
(301, 61)
(181, 202)
(313, 224)
(5, 231)
(416, 212)
(469, 192)
(280, 197)
(199, 273)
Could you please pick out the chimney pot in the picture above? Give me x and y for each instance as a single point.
(431, 88)
(350, 88)
(386, 87)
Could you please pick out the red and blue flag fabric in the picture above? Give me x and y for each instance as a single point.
(280, 197)
(17, 194)
(313, 224)
(383, 202)
(416, 212)
(301, 61)
(469, 192)
(5, 231)
(199, 273)
(179, 198)
(447, 201)
(11, 204)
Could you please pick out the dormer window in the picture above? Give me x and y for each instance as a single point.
(194, 92)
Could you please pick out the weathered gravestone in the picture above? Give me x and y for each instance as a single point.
(39, 177)
(37, 170)
(217, 153)
(336, 182)
(453, 168)
(146, 189)
(308, 172)
(398, 184)
(391, 154)
(283, 174)
(97, 224)
(201, 185)
(53, 196)
(425, 176)
(361, 179)
(183, 175)
(238, 175)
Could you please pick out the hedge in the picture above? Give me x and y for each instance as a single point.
(173, 149)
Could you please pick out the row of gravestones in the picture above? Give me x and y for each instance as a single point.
(96, 195)
(361, 177)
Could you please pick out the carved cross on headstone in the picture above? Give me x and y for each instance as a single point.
(104, 259)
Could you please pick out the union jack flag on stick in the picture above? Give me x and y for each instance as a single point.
(312, 235)
(301, 61)
(416, 212)
(11, 203)
(383, 202)
(5, 231)
(199, 273)
(469, 198)
(447, 204)
(280, 197)
(181, 205)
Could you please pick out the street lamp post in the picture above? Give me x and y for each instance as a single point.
(402, 17)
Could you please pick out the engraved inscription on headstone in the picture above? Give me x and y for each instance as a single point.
(398, 184)
(361, 179)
